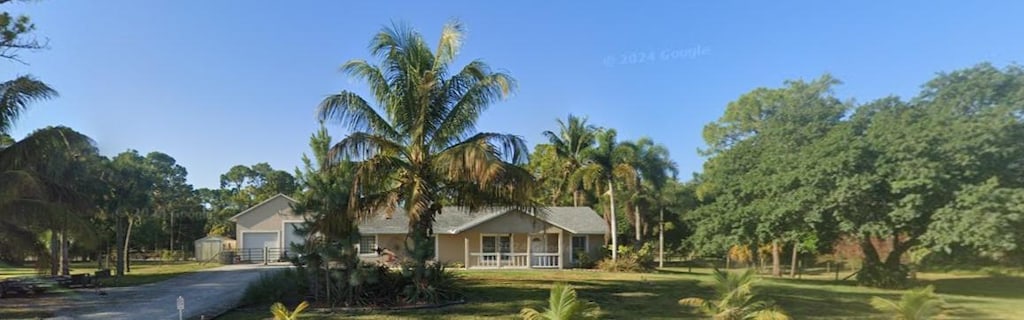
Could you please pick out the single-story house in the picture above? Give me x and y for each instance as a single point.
(552, 237)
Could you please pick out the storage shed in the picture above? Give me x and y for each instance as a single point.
(210, 247)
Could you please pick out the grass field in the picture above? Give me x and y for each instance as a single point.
(501, 294)
(142, 271)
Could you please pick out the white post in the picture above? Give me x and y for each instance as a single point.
(512, 249)
(560, 257)
(437, 252)
(529, 254)
(497, 247)
(466, 246)
(265, 252)
(181, 306)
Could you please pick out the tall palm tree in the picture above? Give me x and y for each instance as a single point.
(417, 145)
(573, 140)
(653, 168)
(563, 304)
(604, 164)
(736, 299)
(915, 304)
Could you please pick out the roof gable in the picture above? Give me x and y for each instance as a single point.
(261, 204)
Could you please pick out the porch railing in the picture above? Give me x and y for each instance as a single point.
(514, 260)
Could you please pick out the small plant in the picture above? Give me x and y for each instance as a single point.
(630, 259)
(736, 299)
(915, 304)
(281, 312)
(563, 304)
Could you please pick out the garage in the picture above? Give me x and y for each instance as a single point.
(292, 237)
(254, 242)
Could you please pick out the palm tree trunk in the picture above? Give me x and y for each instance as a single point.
(661, 239)
(576, 197)
(615, 241)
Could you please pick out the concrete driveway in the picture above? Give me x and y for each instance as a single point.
(207, 293)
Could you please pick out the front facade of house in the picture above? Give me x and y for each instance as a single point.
(554, 237)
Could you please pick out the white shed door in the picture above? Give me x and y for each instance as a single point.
(254, 242)
(290, 236)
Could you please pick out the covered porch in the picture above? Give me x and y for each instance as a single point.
(515, 250)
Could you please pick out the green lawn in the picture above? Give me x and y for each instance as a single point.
(501, 294)
(142, 272)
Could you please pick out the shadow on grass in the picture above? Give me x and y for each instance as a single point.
(1006, 287)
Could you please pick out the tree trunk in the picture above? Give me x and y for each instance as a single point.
(170, 233)
(65, 269)
(127, 242)
(54, 253)
(792, 266)
(576, 197)
(615, 241)
(119, 243)
(776, 267)
(661, 239)
(639, 226)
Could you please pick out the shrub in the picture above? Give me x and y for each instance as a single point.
(281, 312)
(439, 285)
(915, 304)
(735, 299)
(630, 260)
(286, 285)
(562, 304)
(171, 255)
(584, 260)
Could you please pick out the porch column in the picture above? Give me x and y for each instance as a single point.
(529, 254)
(437, 253)
(560, 256)
(466, 246)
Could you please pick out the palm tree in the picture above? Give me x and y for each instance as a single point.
(736, 299)
(915, 304)
(562, 305)
(281, 312)
(573, 140)
(653, 168)
(418, 148)
(40, 189)
(15, 97)
(604, 164)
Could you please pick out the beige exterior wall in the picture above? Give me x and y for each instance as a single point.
(269, 217)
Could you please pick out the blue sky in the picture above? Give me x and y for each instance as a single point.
(219, 83)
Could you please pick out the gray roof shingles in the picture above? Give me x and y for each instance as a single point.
(578, 220)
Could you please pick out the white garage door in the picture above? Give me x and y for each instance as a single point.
(291, 237)
(254, 242)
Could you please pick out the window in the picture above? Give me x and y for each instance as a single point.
(367, 245)
(579, 243)
(492, 244)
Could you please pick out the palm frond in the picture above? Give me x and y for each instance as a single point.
(17, 94)
(355, 113)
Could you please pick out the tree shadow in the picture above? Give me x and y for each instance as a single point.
(1007, 287)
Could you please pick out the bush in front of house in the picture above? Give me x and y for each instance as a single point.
(286, 285)
(630, 259)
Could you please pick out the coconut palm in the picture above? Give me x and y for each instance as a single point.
(281, 312)
(573, 140)
(607, 162)
(40, 189)
(736, 299)
(416, 144)
(915, 304)
(563, 304)
(15, 97)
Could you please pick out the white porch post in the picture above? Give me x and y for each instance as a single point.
(497, 247)
(529, 254)
(437, 252)
(466, 246)
(560, 255)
